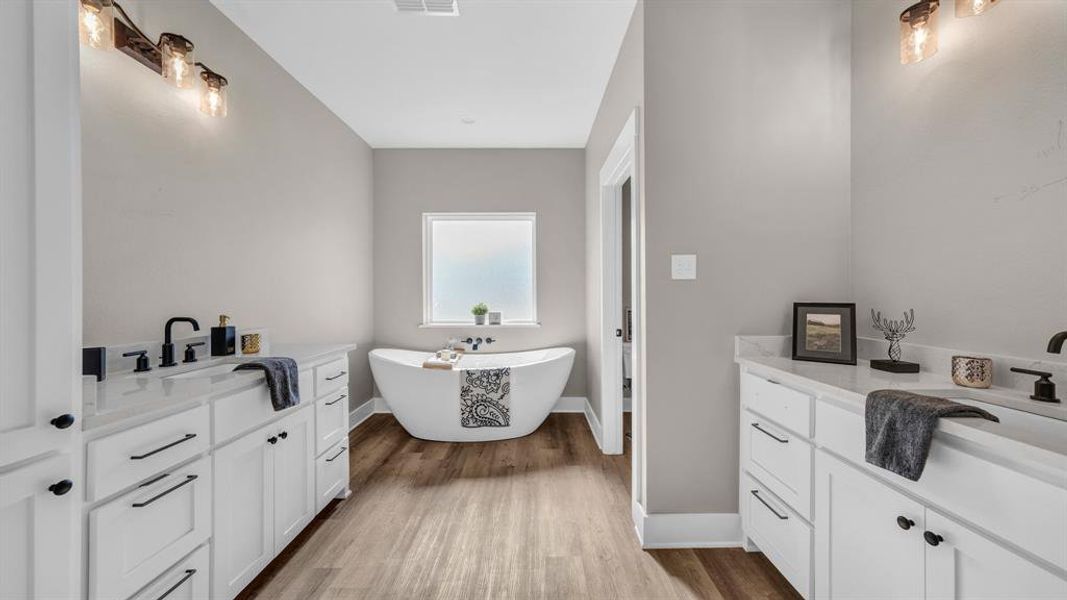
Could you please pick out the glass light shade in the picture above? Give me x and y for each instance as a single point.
(213, 95)
(918, 32)
(971, 8)
(177, 60)
(96, 24)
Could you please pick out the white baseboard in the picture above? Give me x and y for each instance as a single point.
(570, 404)
(360, 414)
(594, 425)
(687, 530)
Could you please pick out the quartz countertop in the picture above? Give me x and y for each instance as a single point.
(126, 395)
(1041, 438)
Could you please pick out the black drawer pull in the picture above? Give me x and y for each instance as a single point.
(283, 434)
(188, 574)
(62, 421)
(341, 374)
(769, 507)
(188, 479)
(932, 538)
(339, 453)
(769, 434)
(187, 437)
(905, 523)
(339, 398)
(60, 488)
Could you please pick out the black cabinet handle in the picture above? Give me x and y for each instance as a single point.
(272, 439)
(339, 453)
(339, 398)
(188, 479)
(905, 523)
(62, 421)
(188, 574)
(187, 437)
(769, 434)
(932, 538)
(341, 374)
(769, 507)
(283, 434)
(60, 488)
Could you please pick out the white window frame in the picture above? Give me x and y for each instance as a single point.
(427, 264)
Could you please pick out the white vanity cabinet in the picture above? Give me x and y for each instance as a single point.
(265, 498)
(976, 525)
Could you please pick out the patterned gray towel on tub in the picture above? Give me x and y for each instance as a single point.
(282, 379)
(900, 427)
(485, 398)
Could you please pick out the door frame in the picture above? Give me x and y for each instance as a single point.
(622, 163)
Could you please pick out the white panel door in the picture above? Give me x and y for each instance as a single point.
(40, 228)
(868, 537)
(963, 564)
(294, 476)
(243, 512)
(37, 502)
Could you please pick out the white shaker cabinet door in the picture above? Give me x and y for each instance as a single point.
(868, 537)
(960, 563)
(37, 507)
(243, 511)
(294, 476)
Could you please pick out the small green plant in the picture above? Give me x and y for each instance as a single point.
(479, 309)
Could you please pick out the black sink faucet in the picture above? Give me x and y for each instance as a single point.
(1055, 345)
(167, 360)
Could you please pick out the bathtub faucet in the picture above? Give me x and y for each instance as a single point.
(478, 342)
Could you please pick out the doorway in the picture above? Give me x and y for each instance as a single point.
(621, 338)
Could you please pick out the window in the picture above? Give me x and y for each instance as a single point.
(479, 257)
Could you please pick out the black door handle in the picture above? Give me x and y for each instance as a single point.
(768, 505)
(769, 434)
(186, 438)
(335, 376)
(60, 488)
(283, 434)
(932, 538)
(339, 398)
(63, 421)
(272, 440)
(905, 523)
(618, 333)
(188, 574)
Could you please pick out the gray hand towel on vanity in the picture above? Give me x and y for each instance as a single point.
(900, 427)
(282, 379)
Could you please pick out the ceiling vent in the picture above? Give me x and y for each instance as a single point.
(447, 8)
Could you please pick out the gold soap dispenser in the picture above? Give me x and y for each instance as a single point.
(223, 338)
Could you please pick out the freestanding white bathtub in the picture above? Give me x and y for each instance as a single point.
(426, 401)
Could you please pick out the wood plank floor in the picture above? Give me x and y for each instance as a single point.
(545, 516)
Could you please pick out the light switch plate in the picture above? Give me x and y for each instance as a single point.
(683, 266)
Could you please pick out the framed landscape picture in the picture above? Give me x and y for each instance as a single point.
(824, 332)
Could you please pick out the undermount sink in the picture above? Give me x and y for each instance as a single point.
(211, 371)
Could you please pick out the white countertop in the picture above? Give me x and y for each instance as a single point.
(1031, 438)
(126, 395)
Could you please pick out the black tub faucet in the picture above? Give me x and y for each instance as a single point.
(167, 360)
(1055, 345)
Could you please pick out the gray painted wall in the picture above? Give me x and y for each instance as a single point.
(746, 166)
(624, 93)
(959, 177)
(408, 183)
(188, 215)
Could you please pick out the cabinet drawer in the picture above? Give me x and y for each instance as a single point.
(123, 459)
(331, 475)
(787, 407)
(136, 537)
(331, 420)
(780, 535)
(187, 580)
(331, 376)
(780, 460)
(246, 410)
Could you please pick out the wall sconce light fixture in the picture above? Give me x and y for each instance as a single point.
(172, 56)
(918, 26)
(918, 32)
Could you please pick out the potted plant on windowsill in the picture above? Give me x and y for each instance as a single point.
(479, 311)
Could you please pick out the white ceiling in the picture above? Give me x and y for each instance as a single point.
(529, 73)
